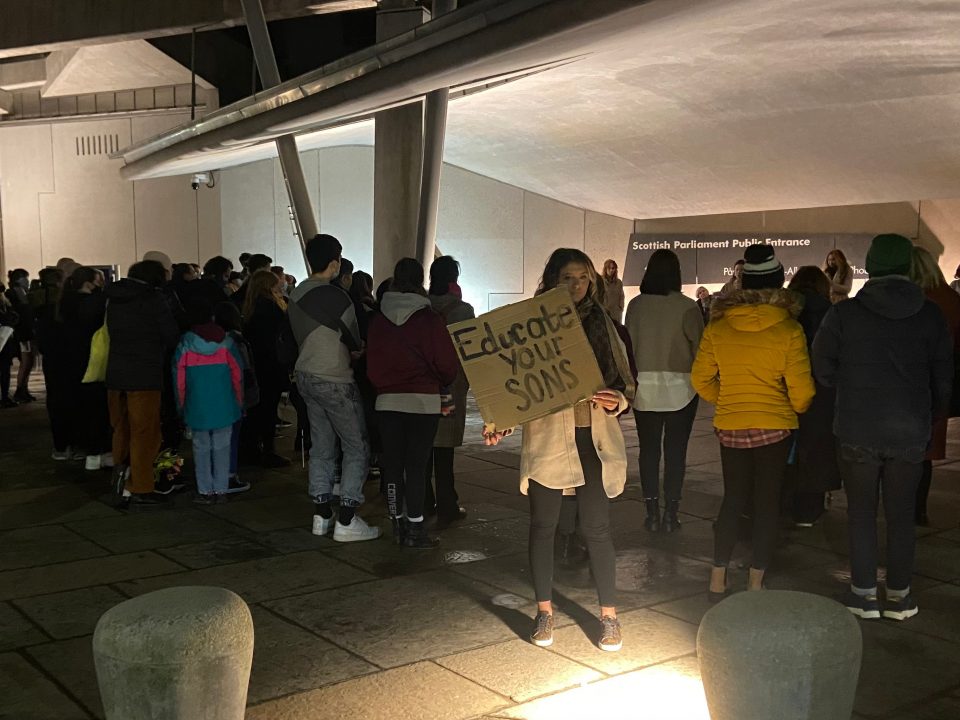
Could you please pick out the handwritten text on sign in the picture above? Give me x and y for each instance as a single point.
(527, 360)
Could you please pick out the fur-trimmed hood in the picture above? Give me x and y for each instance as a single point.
(757, 310)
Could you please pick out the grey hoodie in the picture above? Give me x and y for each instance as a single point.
(888, 353)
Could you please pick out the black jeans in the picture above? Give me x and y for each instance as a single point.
(440, 470)
(867, 474)
(262, 417)
(61, 403)
(594, 510)
(94, 432)
(671, 430)
(407, 445)
(755, 473)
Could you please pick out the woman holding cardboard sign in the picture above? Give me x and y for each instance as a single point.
(578, 450)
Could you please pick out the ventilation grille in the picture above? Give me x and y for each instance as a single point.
(97, 144)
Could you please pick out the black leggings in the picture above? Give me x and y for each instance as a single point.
(407, 447)
(757, 473)
(594, 510)
(440, 470)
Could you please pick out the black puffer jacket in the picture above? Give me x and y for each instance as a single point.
(889, 355)
(142, 332)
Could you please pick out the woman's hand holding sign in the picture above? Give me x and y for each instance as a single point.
(608, 399)
(492, 436)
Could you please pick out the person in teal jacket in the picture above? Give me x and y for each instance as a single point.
(208, 382)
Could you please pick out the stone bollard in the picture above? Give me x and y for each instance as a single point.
(779, 654)
(183, 653)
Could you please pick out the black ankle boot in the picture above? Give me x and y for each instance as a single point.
(399, 529)
(652, 523)
(416, 537)
(671, 522)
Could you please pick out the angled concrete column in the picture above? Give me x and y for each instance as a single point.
(398, 153)
(304, 221)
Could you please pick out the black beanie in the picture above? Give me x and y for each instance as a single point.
(761, 269)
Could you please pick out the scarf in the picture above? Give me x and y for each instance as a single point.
(605, 343)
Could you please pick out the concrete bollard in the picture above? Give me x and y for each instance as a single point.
(183, 653)
(779, 654)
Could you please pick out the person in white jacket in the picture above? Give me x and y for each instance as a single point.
(579, 450)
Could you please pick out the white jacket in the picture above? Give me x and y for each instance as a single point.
(549, 450)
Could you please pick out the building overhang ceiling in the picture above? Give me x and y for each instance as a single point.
(644, 109)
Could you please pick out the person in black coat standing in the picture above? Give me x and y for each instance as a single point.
(889, 355)
(817, 469)
(142, 332)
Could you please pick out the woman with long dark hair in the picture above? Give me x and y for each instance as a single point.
(263, 317)
(817, 469)
(410, 359)
(665, 327)
(840, 273)
(446, 298)
(80, 313)
(579, 450)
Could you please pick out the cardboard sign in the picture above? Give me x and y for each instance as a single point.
(527, 360)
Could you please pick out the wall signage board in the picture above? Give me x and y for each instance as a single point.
(708, 258)
(527, 360)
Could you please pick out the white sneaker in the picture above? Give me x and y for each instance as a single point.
(106, 460)
(92, 462)
(323, 526)
(356, 531)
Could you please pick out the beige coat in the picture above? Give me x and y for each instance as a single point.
(549, 451)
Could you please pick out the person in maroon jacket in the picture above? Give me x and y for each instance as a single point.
(410, 360)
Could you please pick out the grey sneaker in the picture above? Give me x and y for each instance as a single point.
(611, 638)
(542, 635)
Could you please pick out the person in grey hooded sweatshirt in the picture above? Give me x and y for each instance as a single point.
(410, 361)
(888, 353)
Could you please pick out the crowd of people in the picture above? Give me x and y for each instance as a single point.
(812, 391)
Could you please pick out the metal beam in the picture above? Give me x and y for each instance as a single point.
(304, 222)
(33, 26)
(434, 134)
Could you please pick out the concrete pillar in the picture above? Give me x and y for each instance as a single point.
(398, 153)
(177, 654)
(779, 654)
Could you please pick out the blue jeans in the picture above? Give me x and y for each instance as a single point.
(211, 455)
(335, 411)
(235, 447)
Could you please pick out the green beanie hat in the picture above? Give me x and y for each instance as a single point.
(889, 254)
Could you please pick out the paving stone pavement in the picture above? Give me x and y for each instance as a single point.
(369, 630)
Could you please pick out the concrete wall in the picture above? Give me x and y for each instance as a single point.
(501, 234)
(61, 195)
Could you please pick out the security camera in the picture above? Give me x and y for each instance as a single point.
(200, 179)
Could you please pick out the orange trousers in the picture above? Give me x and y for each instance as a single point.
(135, 417)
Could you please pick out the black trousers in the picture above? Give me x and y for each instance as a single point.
(61, 403)
(260, 426)
(440, 471)
(755, 473)
(594, 511)
(867, 475)
(407, 447)
(93, 431)
(671, 431)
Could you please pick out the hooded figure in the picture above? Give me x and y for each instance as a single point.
(889, 355)
(410, 361)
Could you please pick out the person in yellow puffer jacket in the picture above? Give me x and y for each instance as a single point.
(753, 366)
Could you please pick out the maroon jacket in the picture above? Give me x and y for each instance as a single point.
(410, 356)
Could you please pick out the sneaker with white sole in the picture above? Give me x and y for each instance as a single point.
(611, 638)
(236, 485)
(542, 633)
(866, 607)
(323, 526)
(356, 531)
(106, 460)
(900, 608)
(60, 456)
(92, 462)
